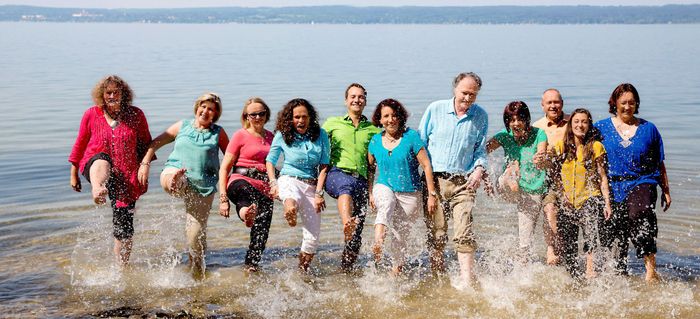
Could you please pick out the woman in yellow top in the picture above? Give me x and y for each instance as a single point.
(580, 160)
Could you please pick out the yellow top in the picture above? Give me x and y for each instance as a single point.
(580, 184)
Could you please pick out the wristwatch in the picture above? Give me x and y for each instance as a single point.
(320, 193)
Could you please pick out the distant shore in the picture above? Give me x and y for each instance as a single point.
(667, 14)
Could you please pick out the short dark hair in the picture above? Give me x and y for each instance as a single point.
(399, 110)
(617, 92)
(463, 75)
(513, 109)
(285, 117)
(355, 85)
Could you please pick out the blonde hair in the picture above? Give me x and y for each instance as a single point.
(210, 97)
(244, 113)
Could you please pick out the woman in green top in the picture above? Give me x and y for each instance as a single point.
(525, 178)
(192, 170)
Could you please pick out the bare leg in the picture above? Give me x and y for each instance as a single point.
(173, 181)
(466, 267)
(248, 214)
(650, 264)
(345, 206)
(290, 212)
(379, 234)
(590, 268)
(550, 213)
(304, 261)
(99, 176)
(437, 260)
(122, 250)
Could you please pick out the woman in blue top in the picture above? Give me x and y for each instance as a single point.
(306, 150)
(396, 195)
(636, 166)
(192, 170)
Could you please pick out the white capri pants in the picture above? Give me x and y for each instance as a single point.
(304, 194)
(398, 212)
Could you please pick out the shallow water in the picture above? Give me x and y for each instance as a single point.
(55, 247)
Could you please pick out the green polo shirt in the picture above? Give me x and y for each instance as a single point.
(349, 143)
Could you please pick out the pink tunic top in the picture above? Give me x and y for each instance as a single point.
(126, 145)
(250, 151)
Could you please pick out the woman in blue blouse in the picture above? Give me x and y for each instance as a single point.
(396, 195)
(306, 150)
(636, 166)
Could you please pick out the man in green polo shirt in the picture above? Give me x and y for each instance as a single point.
(347, 179)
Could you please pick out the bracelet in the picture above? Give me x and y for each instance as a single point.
(273, 182)
(145, 163)
(223, 197)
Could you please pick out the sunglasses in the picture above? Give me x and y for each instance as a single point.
(258, 114)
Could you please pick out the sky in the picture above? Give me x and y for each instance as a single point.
(287, 3)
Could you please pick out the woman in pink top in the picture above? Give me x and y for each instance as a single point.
(247, 185)
(112, 140)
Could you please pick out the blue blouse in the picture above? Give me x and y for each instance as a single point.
(302, 158)
(398, 168)
(634, 164)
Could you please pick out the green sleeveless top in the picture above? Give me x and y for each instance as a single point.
(197, 151)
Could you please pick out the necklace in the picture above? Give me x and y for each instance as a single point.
(625, 134)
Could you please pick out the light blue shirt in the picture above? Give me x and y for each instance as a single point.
(302, 158)
(398, 168)
(455, 145)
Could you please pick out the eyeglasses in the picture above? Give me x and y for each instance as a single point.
(258, 114)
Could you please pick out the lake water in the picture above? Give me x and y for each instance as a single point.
(55, 247)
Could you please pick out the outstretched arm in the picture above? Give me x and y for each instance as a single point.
(163, 139)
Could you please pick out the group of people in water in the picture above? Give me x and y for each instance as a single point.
(601, 178)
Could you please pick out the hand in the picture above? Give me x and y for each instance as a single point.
(666, 201)
(475, 178)
(75, 182)
(320, 204)
(607, 211)
(538, 159)
(432, 204)
(371, 202)
(224, 209)
(143, 174)
(274, 192)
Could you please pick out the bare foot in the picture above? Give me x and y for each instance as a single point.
(247, 214)
(99, 195)
(176, 182)
(552, 258)
(290, 213)
(349, 228)
(249, 269)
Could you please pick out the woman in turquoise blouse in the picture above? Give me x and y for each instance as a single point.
(306, 151)
(192, 170)
(396, 196)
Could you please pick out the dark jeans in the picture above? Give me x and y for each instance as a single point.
(633, 219)
(242, 194)
(590, 218)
